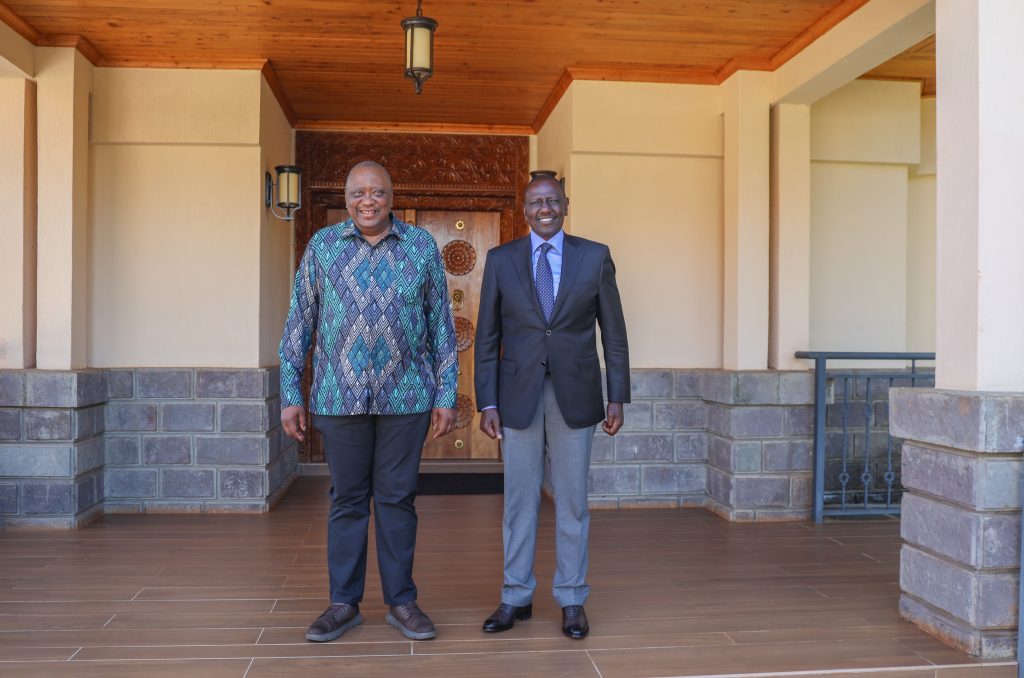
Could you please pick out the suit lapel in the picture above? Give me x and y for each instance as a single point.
(571, 258)
(524, 267)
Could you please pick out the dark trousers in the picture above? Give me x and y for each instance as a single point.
(376, 455)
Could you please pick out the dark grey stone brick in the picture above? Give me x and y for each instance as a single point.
(948, 418)
(799, 421)
(603, 449)
(719, 486)
(756, 388)
(650, 384)
(644, 447)
(1003, 429)
(975, 539)
(614, 480)
(120, 384)
(691, 446)
(229, 450)
(12, 388)
(272, 376)
(121, 450)
(131, 482)
(796, 388)
(155, 383)
(47, 497)
(675, 478)
(48, 424)
(167, 449)
(985, 644)
(51, 389)
(35, 460)
(680, 415)
(188, 416)
(759, 491)
(241, 484)
(801, 491)
(243, 417)
(8, 498)
(983, 600)
(91, 387)
(688, 383)
(85, 492)
(88, 422)
(751, 422)
(187, 483)
(746, 457)
(717, 387)
(230, 384)
(89, 455)
(638, 416)
(719, 420)
(130, 417)
(10, 424)
(788, 456)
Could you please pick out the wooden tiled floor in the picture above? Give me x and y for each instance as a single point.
(675, 593)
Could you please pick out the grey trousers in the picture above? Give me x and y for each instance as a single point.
(569, 452)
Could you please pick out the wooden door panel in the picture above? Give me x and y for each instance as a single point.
(464, 238)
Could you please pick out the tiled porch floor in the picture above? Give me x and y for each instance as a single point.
(675, 593)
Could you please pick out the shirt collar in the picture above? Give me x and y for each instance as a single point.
(399, 228)
(556, 241)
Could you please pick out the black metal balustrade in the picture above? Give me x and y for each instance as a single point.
(856, 461)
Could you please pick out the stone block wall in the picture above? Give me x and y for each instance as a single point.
(739, 443)
(962, 470)
(75, 444)
(51, 447)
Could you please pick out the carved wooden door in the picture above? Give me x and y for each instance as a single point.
(464, 238)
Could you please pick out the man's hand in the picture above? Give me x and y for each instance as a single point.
(490, 423)
(293, 419)
(442, 421)
(614, 420)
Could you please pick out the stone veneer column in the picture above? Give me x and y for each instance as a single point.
(959, 567)
(760, 452)
(51, 447)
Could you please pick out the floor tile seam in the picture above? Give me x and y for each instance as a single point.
(593, 649)
(594, 664)
(239, 657)
(828, 672)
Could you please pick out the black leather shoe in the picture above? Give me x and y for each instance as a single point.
(574, 621)
(505, 616)
(335, 620)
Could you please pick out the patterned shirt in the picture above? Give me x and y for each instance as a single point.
(385, 337)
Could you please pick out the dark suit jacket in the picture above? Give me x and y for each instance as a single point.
(514, 346)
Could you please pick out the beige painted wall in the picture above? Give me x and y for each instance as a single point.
(644, 171)
(180, 243)
(277, 147)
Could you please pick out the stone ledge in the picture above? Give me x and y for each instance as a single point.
(963, 420)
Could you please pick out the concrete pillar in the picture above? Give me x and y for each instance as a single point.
(960, 563)
(18, 223)
(790, 242)
(64, 80)
(746, 98)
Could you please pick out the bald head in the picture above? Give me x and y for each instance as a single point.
(369, 165)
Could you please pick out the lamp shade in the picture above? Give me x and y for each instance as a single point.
(419, 47)
(289, 178)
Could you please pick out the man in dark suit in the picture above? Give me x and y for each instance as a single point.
(538, 384)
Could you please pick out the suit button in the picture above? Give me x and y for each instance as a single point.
(547, 332)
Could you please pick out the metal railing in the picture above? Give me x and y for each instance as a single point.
(868, 482)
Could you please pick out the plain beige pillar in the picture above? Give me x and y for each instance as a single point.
(64, 81)
(745, 98)
(790, 244)
(17, 223)
(980, 196)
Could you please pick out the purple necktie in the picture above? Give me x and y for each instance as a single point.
(545, 282)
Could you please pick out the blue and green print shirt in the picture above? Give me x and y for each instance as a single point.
(385, 337)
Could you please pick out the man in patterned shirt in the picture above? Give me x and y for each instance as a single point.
(384, 371)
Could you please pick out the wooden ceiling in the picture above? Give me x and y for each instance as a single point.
(917, 63)
(499, 65)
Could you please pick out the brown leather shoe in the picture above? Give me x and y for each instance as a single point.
(411, 621)
(506, 616)
(335, 620)
(574, 621)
